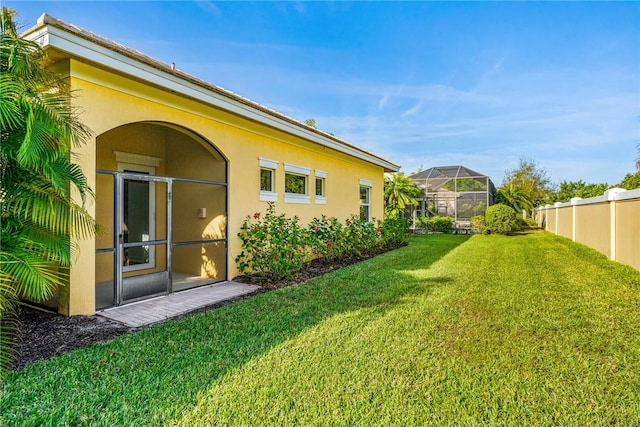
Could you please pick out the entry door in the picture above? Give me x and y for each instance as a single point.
(142, 223)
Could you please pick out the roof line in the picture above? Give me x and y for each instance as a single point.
(169, 76)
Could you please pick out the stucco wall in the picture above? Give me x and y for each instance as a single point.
(588, 231)
(608, 223)
(628, 232)
(565, 222)
(110, 101)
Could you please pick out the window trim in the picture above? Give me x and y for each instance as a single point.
(296, 197)
(272, 165)
(321, 199)
(300, 170)
(368, 185)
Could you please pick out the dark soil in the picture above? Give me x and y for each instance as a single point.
(44, 334)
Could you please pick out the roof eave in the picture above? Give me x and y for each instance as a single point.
(51, 32)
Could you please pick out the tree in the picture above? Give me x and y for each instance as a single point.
(399, 191)
(532, 181)
(570, 189)
(39, 218)
(310, 122)
(514, 197)
(631, 181)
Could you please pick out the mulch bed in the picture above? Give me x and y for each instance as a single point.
(44, 334)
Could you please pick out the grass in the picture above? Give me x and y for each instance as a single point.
(489, 330)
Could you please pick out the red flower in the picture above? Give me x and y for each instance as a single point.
(315, 230)
(349, 222)
(256, 215)
(329, 243)
(379, 230)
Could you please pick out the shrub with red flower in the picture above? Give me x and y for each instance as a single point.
(275, 246)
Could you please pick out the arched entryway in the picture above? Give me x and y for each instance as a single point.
(161, 201)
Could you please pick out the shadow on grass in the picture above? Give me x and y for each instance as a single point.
(155, 375)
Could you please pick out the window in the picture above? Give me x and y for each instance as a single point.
(321, 198)
(319, 186)
(267, 180)
(365, 200)
(296, 184)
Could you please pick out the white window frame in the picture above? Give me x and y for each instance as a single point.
(272, 165)
(322, 198)
(295, 197)
(368, 185)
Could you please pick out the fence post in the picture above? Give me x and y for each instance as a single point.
(574, 210)
(556, 206)
(611, 199)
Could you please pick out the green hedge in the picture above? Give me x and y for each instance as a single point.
(500, 219)
(275, 246)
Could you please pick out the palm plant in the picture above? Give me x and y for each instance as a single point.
(399, 191)
(39, 218)
(515, 197)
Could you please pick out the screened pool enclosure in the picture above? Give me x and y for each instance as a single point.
(454, 191)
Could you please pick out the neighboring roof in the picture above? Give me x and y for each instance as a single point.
(447, 172)
(85, 45)
(436, 179)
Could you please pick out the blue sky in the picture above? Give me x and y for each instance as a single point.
(423, 84)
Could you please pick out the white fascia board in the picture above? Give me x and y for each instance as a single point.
(86, 49)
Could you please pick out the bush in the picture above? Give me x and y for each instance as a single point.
(477, 224)
(273, 248)
(327, 239)
(440, 224)
(394, 231)
(361, 237)
(500, 219)
(525, 223)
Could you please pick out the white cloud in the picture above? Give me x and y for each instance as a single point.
(571, 121)
(413, 110)
(383, 101)
(209, 7)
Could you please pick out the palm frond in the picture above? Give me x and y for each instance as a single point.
(39, 219)
(37, 279)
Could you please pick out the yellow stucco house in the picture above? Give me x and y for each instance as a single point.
(177, 163)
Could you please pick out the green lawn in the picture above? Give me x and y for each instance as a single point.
(489, 330)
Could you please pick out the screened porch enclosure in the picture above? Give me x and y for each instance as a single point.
(453, 191)
(162, 207)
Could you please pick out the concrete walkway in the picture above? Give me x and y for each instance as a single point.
(159, 309)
